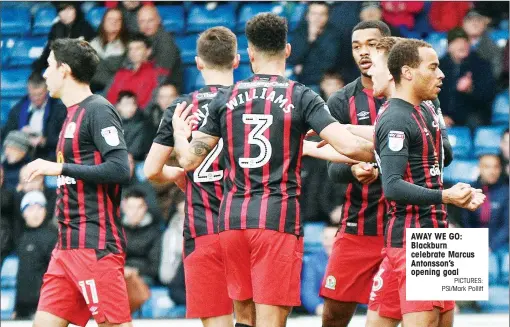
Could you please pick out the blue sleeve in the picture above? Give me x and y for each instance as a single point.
(310, 285)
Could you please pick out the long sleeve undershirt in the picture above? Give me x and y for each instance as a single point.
(114, 169)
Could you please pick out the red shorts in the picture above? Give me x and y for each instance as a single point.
(264, 265)
(206, 284)
(389, 292)
(77, 286)
(351, 267)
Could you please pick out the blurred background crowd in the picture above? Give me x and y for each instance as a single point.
(147, 52)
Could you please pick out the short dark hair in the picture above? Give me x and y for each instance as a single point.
(456, 33)
(405, 53)
(36, 80)
(381, 26)
(332, 74)
(217, 46)
(78, 55)
(135, 192)
(387, 43)
(139, 37)
(267, 32)
(126, 94)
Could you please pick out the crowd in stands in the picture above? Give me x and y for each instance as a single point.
(144, 68)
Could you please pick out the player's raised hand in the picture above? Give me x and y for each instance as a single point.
(42, 167)
(459, 195)
(365, 173)
(179, 120)
(477, 198)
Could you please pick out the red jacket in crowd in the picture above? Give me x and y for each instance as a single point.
(398, 13)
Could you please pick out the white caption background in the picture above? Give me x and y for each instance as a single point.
(447, 264)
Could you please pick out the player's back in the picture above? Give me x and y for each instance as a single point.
(263, 122)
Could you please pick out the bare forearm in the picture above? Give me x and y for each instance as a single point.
(365, 132)
(357, 148)
(327, 152)
(187, 160)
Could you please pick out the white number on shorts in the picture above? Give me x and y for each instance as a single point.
(201, 174)
(257, 138)
(378, 283)
(93, 291)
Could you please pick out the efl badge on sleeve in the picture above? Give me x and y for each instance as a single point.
(396, 140)
(111, 136)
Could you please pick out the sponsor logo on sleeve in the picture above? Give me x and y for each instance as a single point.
(111, 136)
(396, 140)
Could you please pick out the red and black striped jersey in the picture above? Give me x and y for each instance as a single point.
(412, 131)
(263, 121)
(88, 214)
(204, 189)
(364, 207)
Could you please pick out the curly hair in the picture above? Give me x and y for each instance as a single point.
(217, 46)
(267, 32)
(405, 53)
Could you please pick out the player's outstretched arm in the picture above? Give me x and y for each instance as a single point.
(156, 170)
(366, 132)
(347, 143)
(191, 154)
(325, 153)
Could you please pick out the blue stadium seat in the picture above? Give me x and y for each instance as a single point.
(13, 82)
(249, 10)
(439, 42)
(202, 17)
(9, 271)
(95, 15)
(193, 80)
(461, 142)
(466, 171)
(7, 45)
(172, 18)
(498, 300)
(158, 305)
(313, 236)
(7, 105)
(493, 268)
(487, 139)
(242, 48)
(43, 20)
(503, 277)
(8, 299)
(188, 46)
(25, 51)
(15, 21)
(297, 14)
(139, 171)
(500, 37)
(50, 182)
(242, 72)
(500, 108)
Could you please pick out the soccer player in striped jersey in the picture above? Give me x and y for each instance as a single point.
(409, 150)
(263, 121)
(206, 285)
(85, 277)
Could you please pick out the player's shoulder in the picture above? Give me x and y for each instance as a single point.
(96, 105)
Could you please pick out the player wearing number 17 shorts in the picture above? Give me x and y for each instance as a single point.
(204, 270)
(263, 120)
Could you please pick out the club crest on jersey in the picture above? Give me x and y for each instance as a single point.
(70, 129)
(396, 140)
(110, 135)
(330, 282)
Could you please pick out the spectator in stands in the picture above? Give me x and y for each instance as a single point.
(110, 45)
(129, 10)
(39, 116)
(16, 155)
(171, 269)
(331, 82)
(139, 76)
(165, 52)
(8, 214)
(401, 13)
(137, 129)
(493, 213)
(371, 10)
(143, 250)
(475, 26)
(468, 90)
(71, 24)
(167, 93)
(505, 154)
(313, 272)
(315, 46)
(34, 252)
(446, 15)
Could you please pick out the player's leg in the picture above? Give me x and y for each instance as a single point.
(107, 324)
(245, 312)
(236, 256)
(272, 315)
(446, 319)
(276, 262)
(337, 314)
(45, 319)
(220, 321)
(422, 318)
(374, 319)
